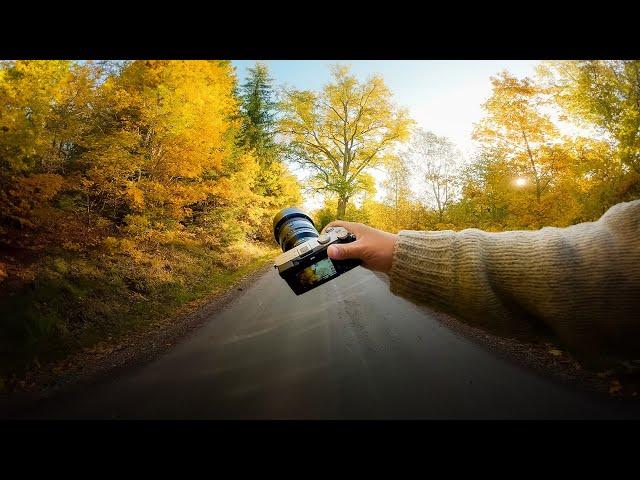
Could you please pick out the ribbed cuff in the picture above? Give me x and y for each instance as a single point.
(422, 267)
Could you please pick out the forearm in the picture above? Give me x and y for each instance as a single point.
(583, 282)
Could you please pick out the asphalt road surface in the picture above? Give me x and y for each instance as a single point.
(346, 350)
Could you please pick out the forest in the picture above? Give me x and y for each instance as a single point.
(129, 189)
(526, 173)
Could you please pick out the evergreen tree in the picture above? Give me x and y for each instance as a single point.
(258, 114)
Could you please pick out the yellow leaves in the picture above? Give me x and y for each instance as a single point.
(38, 79)
(136, 197)
(26, 195)
(602, 94)
(514, 117)
(139, 174)
(185, 115)
(340, 132)
(39, 187)
(110, 244)
(45, 105)
(137, 225)
(129, 247)
(520, 140)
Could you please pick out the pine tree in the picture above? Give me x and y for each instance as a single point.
(258, 114)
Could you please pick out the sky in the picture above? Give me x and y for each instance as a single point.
(443, 96)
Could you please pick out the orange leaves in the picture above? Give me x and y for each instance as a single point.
(38, 188)
(24, 195)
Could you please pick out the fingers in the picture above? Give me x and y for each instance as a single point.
(348, 250)
(345, 251)
(350, 226)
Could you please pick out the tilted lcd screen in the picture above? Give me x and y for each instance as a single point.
(317, 272)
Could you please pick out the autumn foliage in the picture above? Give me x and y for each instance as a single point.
(128, 177)
(527, 171)
(130, 188)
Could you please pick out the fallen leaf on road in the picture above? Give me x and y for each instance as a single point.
(555, 353)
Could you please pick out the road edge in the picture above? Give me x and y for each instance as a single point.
(133, 349)
(545, 360)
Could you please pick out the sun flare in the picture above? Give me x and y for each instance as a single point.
(520, 182)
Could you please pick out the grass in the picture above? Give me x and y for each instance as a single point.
(77, 300)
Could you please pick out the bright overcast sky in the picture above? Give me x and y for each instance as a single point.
(442, 96)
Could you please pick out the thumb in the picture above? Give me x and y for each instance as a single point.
(344, 251)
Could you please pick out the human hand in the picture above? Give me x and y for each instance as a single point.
(374, 247)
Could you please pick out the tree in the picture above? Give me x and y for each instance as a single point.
(258, 110)
(515, 123)
(598, 177)
(435, 159)
(125, 191)
(342, 131)
(398, 192)
(275, 186)
(137, 146)
(162, 140)
(604, 94)
(43, 123)
(43, 115)
(258, 128)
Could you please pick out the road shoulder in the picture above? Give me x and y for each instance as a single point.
(545, 358)
(105, 360)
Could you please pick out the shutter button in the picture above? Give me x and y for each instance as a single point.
(324, 238)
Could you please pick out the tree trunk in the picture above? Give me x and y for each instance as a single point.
(533, 167)
(342, 207)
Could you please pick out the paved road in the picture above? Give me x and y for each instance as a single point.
(348, 349)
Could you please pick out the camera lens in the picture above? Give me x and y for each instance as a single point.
(291, 227)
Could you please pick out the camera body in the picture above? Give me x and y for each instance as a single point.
(305, 263)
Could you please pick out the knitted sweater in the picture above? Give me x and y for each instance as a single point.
(581, 282)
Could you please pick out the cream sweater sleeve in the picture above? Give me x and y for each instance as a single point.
(582, 282)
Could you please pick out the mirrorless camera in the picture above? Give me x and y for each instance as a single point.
(305, 263)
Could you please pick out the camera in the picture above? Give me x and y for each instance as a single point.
(305, 263)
